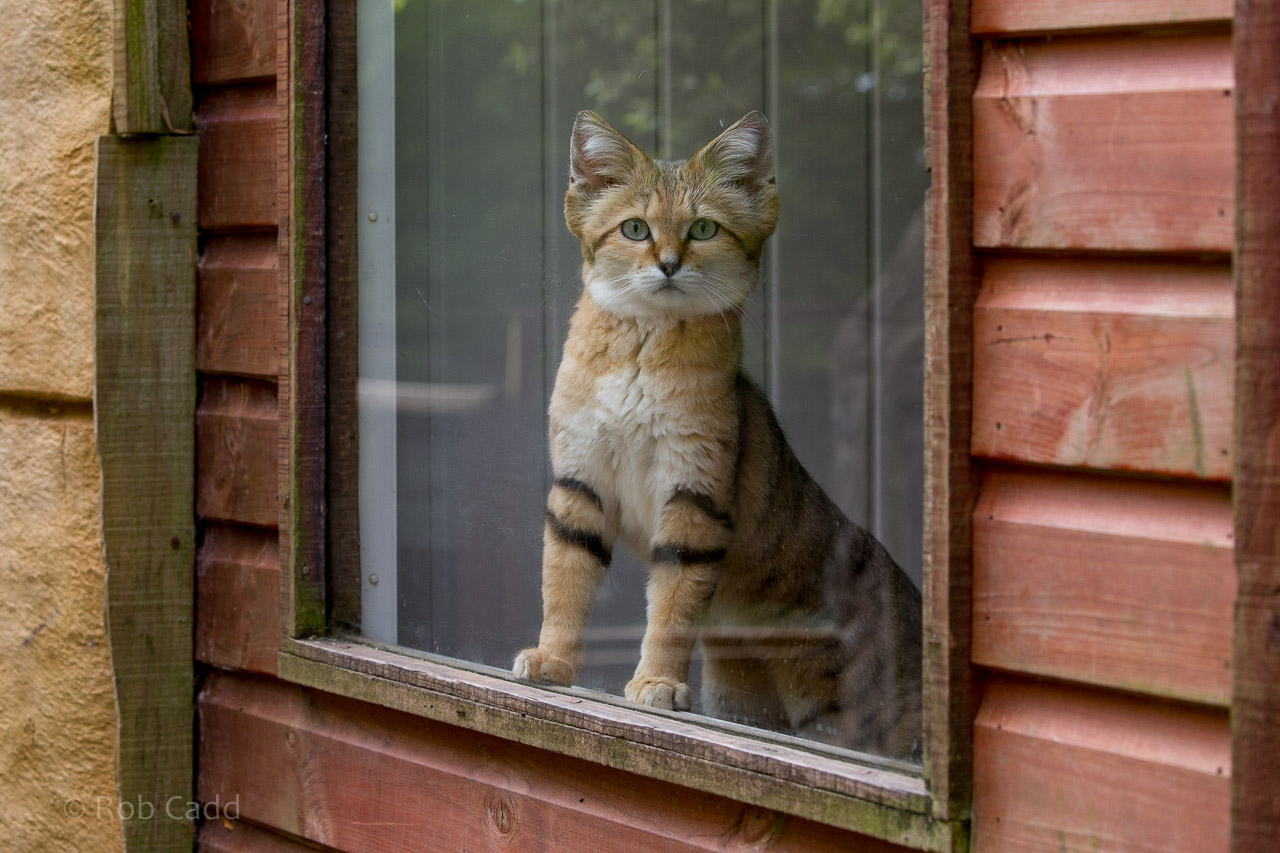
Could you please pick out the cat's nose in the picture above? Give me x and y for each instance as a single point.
(669, 266)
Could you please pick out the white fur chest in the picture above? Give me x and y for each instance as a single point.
(624, 442)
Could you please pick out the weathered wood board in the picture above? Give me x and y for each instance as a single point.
(232, 41)
(218, 836)
(238, 598)
(144, 405)
(236, 287)
(950, 288)
(1255, 712)
(237, 131)
(362, 778)
(1105, 144)
(236, 435)
(995, 17)
(1120, 583)
(1106, 364)
(1071, 770)
(152, 67)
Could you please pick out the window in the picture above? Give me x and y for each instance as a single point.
(465, 264)
(469, 276)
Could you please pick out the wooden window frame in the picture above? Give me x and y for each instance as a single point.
(924, 808)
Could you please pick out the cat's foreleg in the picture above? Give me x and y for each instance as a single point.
(577, 543)
(686, 556)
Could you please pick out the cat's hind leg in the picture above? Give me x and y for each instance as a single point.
(736, 687)
(577, 543)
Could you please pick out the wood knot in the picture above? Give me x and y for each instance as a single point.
(502, 815)
(758, 827)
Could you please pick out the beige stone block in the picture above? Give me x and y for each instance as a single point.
(55, 100)
(57, 714)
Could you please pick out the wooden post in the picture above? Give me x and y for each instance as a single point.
(1255, 709)
(152, 67)
(144, 412)
(302, 162)
(950, 291)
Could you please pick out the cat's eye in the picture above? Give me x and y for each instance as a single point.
(703, 229)
(635, 229)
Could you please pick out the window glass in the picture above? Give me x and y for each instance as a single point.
(468, 277)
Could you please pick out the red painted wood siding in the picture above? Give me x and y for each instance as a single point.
(1103, 410)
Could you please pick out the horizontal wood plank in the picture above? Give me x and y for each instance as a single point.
(992, 17)
(237, 294)
(1107, 365)
(236, 441)
(237, 131)
(1105, 144)
(233, 836)
(238, 598)
(359, 777)
(232, 41)
(1068, 770)
(1125, 584)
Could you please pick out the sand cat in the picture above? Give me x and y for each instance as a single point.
(659, 439)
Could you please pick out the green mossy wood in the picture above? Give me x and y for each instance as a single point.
(144, 410)
(152, 67)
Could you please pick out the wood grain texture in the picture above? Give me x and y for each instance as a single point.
(238, 598)
(1117, 583)
(152, 67)
(996, 17)
(360, 777)
(1106, 364)
(670, 746)
(232, 41)
(342, 325)
(1105, 144)
(1068, 770)
(237, 313)
(144, 403)
(1255, 712)
(951, 284)
(237, 131)
(236, 430)
(301, 165)
(217, 836)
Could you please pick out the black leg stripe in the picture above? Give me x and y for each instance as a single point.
(581, 488)
(704, 503)
(685, 556)
(832, 707)
(592, 542)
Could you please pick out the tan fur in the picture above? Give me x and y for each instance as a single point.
(659, 440)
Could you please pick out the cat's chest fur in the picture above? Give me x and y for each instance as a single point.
(633, 408)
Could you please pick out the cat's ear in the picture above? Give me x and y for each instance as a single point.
(599, 156)
(742, 154)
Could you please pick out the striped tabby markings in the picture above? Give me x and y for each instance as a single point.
(694, 530)
(572, 485)
(575, 517)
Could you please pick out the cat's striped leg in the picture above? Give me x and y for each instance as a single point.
(685, 558)
(577, 543)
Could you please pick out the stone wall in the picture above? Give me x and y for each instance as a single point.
(57, 712)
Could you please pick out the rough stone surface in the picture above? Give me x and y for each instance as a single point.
(57, 708)
(57, 714)
(55, 100)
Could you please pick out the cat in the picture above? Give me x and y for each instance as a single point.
(659, 439)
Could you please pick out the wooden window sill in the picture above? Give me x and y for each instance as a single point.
(883, 799)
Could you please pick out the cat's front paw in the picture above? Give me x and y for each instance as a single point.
(666, 693)
(541, 665)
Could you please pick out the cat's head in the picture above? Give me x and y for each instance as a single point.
(671, 239)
